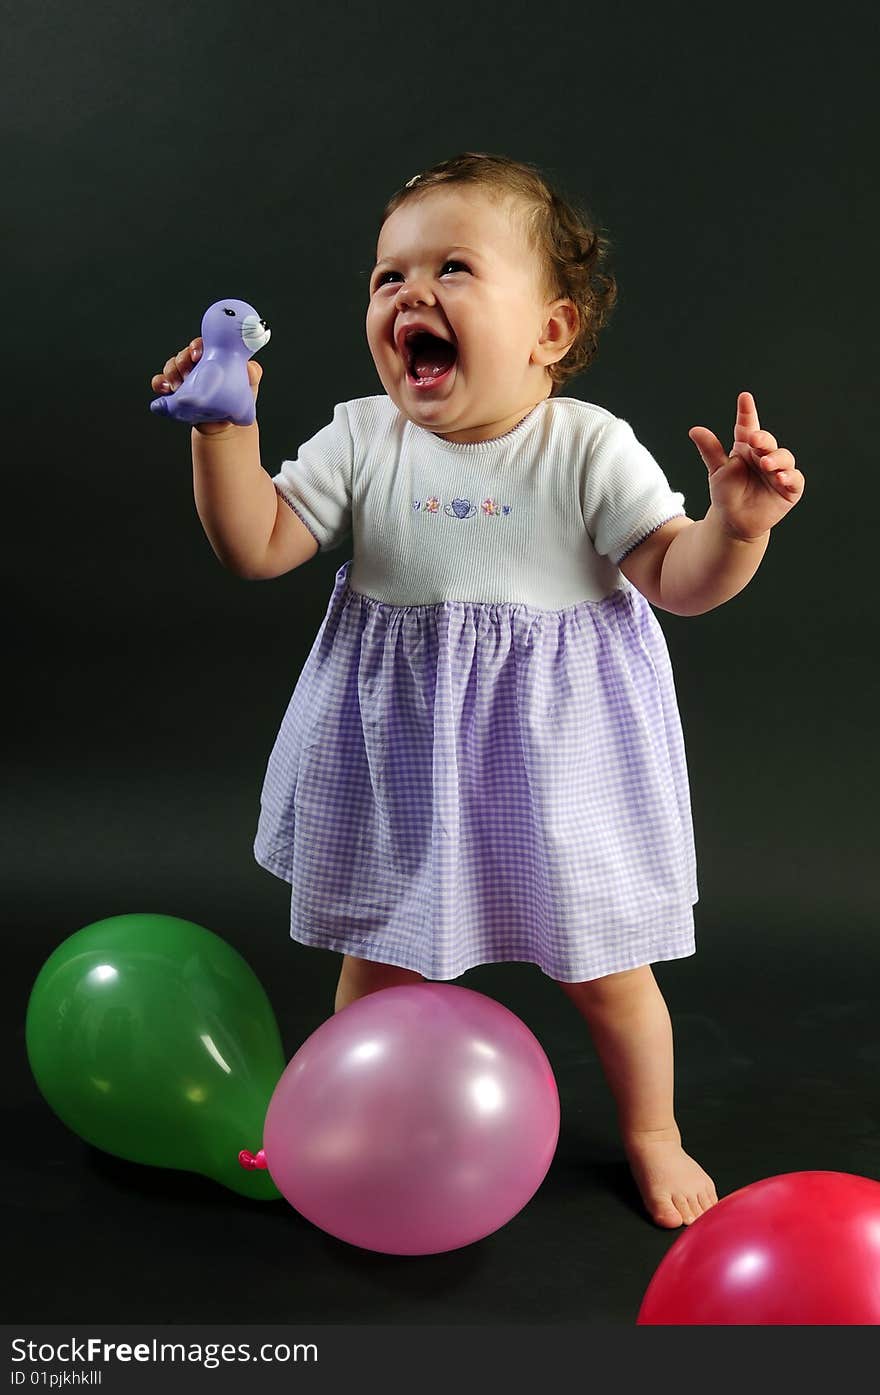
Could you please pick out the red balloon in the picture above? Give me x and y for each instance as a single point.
(799, 1249)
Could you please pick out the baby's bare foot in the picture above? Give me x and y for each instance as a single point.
(674, 1187)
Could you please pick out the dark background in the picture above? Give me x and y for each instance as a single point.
(166, 158)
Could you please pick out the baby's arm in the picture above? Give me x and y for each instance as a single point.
(707, 565)
(252, 530)
(690, 566)
(752, 489)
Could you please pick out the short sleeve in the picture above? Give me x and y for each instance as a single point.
(625, 495)
(317, 484)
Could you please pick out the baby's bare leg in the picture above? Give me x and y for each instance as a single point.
(631, 1030)
(362, 976)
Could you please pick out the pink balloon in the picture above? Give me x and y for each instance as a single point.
(417, 1120)
(800, 1249)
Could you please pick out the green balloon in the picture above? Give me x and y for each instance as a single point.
(152, 1039)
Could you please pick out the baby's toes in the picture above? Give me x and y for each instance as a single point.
(664, 1212)
(686, 1206)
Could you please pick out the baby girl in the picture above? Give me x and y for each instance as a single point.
(482, 759)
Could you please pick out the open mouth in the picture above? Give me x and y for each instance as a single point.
(429, 360)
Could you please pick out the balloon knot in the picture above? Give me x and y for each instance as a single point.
(252, 1161)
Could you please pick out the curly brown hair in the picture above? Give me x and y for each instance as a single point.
(569, 244)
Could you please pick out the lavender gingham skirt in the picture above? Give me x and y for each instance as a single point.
(466, 783)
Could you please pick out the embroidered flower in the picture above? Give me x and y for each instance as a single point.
(489, 506)
(432, 504)
(417, 504)
(505, 508)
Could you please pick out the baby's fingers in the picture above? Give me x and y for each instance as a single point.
(177, 367)
(781, 472)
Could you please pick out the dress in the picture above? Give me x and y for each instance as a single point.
(482, 759)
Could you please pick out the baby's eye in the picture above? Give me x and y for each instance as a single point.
(385, 274)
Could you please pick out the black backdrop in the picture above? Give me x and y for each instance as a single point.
(165, 158)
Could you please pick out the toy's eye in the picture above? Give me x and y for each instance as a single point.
(229, 312)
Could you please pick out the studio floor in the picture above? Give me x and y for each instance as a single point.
(777, 1055)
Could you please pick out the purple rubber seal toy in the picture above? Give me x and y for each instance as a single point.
(218, 388)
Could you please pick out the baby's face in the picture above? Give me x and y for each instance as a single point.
(456, 262)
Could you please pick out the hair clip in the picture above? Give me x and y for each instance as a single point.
(410, 182)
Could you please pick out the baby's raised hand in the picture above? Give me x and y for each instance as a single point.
(758, 483)
(182, 363)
